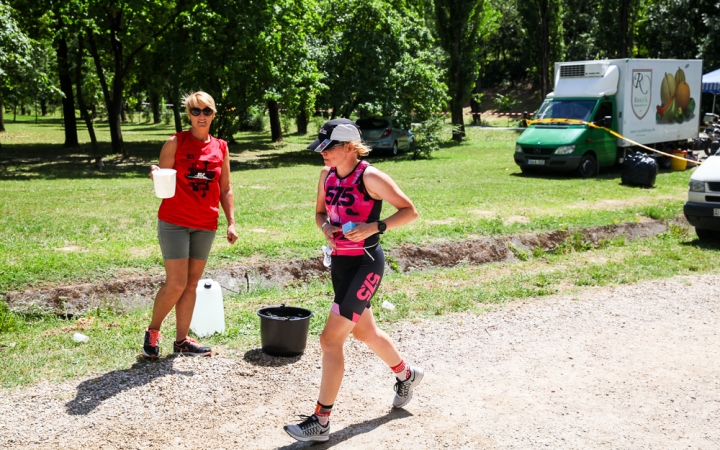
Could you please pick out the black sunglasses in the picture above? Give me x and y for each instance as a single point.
(205, 111)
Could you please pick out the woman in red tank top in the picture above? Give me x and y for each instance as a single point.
(188, 220)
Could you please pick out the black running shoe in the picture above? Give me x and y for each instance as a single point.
(191, 347)
(309, 430)
(151, 349)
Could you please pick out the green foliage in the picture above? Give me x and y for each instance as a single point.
(505, 103)
(428, 137)
(379, 59)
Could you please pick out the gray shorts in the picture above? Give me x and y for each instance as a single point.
(178, 242)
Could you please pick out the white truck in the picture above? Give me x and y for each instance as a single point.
(654, 102)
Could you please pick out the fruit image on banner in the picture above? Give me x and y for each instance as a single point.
(676, 104)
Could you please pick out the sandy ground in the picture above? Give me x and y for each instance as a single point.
(630, 367)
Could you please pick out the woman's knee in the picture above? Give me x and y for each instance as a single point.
(366, 334)
(176, 285)
(330, 343)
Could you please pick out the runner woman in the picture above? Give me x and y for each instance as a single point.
(349, 201)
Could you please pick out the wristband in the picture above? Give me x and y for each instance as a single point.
(322, 227)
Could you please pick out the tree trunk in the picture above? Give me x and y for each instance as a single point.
(275, 128)
(43, 106)
(110, 103)
(544, 48)
(68, 101)
(624, 29)
(155, 102)
(2, 114)
(302, 121)
(84, 113)
(174, 98)
(456, 112)
(474, 105)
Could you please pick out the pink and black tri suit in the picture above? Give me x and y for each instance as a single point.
(357, 267)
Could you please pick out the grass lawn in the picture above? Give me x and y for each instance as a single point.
(61, 221)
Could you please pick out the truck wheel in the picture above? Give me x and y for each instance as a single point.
(588, 167)
(528, 170)
(706, 235)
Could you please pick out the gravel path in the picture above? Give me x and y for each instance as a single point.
(628, 367)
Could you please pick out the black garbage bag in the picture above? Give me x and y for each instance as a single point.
(639, 169)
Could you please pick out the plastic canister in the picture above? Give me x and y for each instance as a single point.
(209, 314)
(678, 164)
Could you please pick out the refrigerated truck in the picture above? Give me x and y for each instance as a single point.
(654, 102)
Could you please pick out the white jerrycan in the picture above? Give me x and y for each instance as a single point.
(209, 315)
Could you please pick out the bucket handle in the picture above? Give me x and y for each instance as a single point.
(286, 318)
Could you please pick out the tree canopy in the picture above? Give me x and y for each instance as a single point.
(409, 60)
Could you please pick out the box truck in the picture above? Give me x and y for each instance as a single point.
(653, 102)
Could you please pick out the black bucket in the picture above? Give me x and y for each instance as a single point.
(284, 329)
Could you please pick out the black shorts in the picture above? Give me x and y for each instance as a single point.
(355, 280)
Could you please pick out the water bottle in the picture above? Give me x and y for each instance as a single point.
(387, 305)
(209, 314)
(79, 337)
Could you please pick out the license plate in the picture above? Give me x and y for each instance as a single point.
(716, 212)
(536, 162)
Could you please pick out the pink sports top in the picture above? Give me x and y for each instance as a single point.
(347, 200)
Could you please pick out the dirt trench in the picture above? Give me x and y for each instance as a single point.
(136, 291)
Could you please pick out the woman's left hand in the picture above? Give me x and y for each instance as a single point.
(232, 235)
(361, 231)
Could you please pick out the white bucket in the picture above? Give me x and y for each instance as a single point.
(164, 181)
(209, 315)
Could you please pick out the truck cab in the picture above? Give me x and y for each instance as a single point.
(570, 146)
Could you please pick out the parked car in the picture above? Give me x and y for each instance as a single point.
(382, 134)
(702, 209)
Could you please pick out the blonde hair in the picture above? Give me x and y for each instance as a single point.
(361, 149)
(195, 99)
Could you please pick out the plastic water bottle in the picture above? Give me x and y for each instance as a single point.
(79, 337)
(327, 256)
(209, 314)
(387, 305)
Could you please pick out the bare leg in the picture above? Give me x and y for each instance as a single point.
(176, 278)
(186, 304)
(332, 340)
(377, 340)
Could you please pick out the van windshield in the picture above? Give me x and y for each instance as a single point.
(566, 109)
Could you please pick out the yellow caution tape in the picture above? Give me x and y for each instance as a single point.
(617, 135)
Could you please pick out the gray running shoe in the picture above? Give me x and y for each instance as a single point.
(309, 430)
(404, 389)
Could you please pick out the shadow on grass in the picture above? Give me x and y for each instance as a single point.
(91, 393)
(351, 431)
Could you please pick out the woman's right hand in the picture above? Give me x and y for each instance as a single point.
(153, 168)
(329, 230)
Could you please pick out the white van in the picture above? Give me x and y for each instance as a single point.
(702, 209)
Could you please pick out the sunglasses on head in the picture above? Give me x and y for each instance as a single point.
(205, 111)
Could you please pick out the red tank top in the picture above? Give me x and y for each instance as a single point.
(197, 192)
(347, 200)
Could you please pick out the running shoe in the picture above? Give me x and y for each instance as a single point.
(404, 389)
(309, 430)
(191, 347)
(151, 349)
